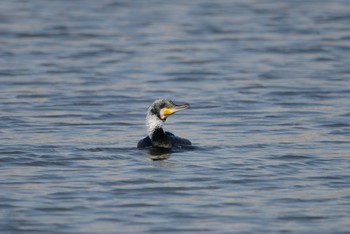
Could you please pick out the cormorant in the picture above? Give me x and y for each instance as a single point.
(157, 113)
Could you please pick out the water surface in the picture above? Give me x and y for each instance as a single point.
(271, 148)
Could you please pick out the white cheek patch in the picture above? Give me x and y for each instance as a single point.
(161, 113)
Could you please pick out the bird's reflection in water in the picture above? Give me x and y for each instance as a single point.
(158, 154)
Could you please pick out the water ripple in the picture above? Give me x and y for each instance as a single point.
(268, 83)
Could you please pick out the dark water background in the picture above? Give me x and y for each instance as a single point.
(271, 153)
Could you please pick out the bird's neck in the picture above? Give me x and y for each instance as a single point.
(156, 132)
(153, 123)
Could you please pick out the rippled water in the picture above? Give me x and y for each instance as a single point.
(269, 83)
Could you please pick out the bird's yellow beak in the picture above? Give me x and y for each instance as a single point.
(166, 112)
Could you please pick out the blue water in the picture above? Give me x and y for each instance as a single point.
(269, 83)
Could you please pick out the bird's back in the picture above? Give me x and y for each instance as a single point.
(175, 141)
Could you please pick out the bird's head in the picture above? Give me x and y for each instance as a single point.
(159, 111)
(163, 108)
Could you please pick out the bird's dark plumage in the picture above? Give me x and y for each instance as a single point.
(174, 142)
